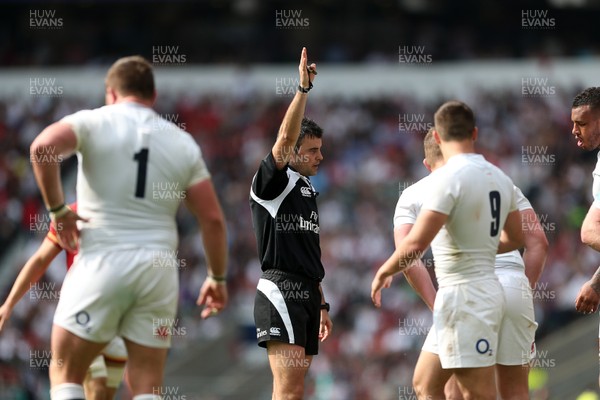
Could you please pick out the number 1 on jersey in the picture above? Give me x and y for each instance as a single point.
(495, 206)
(140, 184)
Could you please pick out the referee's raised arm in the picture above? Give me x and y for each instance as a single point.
(289, 130)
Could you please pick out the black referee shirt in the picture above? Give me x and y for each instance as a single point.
(286, 220)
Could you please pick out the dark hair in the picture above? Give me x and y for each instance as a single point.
(433, 153)
(131, 76)
(589, 97)
(308, 128)
(454, 120)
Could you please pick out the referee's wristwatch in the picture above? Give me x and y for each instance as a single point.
(302, 89)
(325, 307)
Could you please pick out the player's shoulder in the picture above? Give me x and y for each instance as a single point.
(93, 114)
(85, 113)
(183, 140)
(415, 189)
(479, 162)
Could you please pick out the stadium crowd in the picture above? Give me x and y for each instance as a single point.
(372, 152)
(335, 31)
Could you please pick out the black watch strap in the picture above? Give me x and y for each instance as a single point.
(325, 307)
(305, 90)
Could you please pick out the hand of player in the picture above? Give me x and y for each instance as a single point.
(326, 326)
(588, 299)
(305, 76)
(67, 231)
(5, 312)
(377, 285)
(213, 295)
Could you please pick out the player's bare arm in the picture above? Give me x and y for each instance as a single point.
(536, 246)
(202, 201)
(427, 225)
(512, 237)
(32, 271)
(55, 141)
(590, 229)
(417, 275)
(326, 325)
(290, 127)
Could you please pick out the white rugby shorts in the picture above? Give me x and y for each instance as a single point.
(121, 293)
(516, 337)
(466, 320)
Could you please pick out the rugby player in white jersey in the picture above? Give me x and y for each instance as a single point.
(518, 326)
(106, 371)
(585, 115)
(116, 286)
(469, 202)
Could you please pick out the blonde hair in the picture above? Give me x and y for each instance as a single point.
(433, 153)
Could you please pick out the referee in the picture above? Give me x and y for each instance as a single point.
(290, 311)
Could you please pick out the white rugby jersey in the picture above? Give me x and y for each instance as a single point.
(133, 170)
(596, 184)
(409, 205)
(477, 197)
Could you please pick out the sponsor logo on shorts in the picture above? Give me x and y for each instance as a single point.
(82, 318)
(275, 331)
(483, 346)
(260, 333)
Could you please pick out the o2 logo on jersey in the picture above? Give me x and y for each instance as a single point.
(483, 346)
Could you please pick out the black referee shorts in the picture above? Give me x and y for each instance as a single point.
(287, 309)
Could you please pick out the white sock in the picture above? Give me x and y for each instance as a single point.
(147, 397)
(67, 391)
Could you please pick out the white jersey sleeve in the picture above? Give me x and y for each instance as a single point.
(409, 204)
(134, 170)
(477, 197)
